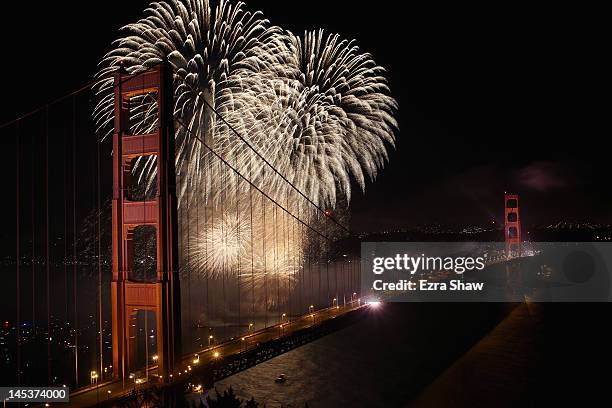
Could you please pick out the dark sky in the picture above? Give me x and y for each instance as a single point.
(492, 98)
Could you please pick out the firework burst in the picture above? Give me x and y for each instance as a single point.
(309, 112)
(315, 107)
(325, 118)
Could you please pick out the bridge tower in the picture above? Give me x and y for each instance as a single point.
(161, 293)
(512, 226)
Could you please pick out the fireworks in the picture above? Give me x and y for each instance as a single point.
(322, 120)
(255, 245)
(315, 107)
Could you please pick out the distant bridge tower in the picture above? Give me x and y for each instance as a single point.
(512, 226)
(159, 294)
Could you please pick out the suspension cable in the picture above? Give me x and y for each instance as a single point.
(18, 254)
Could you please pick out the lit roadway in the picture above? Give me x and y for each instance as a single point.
(91, 395)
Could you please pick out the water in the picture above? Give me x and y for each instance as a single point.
(384, 360)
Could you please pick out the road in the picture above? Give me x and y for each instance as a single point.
(91, 395)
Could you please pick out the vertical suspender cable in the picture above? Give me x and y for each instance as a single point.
(300, 263)
(213, 193)
(65, 238)
(263, 246)
(94, 244)
(327, 259)
(188, 250)
(99, 211)
(287, 268)
(18, 254)
(224, 240)
(294, 262)
(207, 194)
(33, 260)
(199, 243)
(47, 243)
(319, 257)
(238, 245)
(252, 244)
(74, 246)
(276, 261)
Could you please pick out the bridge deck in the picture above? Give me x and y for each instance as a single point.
(91, 395)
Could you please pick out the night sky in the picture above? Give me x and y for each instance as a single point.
(491, 98)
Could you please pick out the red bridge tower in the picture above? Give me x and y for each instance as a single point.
(160, 294)
(512, 228)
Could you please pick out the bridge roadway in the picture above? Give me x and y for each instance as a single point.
(92, 395)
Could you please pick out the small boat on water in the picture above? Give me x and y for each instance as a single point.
(280, 379)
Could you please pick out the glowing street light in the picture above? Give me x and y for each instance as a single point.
(196, 360)
(216, 354)
(155, 358)
(210, 340)
(250, 327)
(93, 376)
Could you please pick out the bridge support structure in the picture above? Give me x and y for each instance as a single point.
(512, 225)
(161, 293)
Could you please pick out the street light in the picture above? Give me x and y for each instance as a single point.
(93, 376)
(250, 327)
(210, 339)
(216, 354)
(196, 360)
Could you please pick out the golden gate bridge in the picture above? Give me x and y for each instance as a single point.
(109, 284)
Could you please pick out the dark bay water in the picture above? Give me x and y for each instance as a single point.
(383, 360)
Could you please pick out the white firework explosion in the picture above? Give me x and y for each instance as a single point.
(251, 242)
(315, 107)
(259, 247)
(325, 118)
